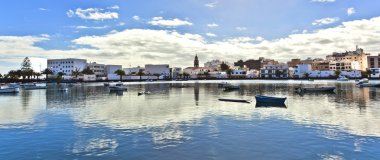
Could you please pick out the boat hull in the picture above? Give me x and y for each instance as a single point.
(270, 100)
(10, 90)
(369, 85)
(321, 89)
(234, 100)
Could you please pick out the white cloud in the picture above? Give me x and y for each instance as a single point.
(137, 18)
(211, 5)
(91, 27)
(210, 34)
(169, 23)
(141, 46)
(241, 28)
(43, 9)
(121, 24)
(212, 25)
(351, 11)
(323, 1)
(115, 7)
(325, 21)
(92, 14)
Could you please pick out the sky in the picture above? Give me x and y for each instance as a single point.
(138, 32)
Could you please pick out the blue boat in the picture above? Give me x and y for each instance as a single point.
(267, 99)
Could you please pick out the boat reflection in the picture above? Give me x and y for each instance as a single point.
(270, 105)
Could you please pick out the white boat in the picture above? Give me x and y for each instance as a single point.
(33, 86)
(369, 85)
(118, 87)
(342, 79)
(8, 89)
(362, 81)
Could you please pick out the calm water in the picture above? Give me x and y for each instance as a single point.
(88, 122)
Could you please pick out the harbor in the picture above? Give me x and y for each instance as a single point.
(88, 121)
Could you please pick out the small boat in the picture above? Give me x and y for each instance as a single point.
(342, 79)
(235, 100)
(34, 86)
(118, 87)
(315, 89)
(362, 81)
(230, 87)
(8, 89)
(369, 85)
(268, 99)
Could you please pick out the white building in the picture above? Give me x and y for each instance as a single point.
(344, 65)
(110, 69)
(133, 70)
(66, 66)
(160, 69)
(274, 71)
(321, 74)
(98, 69)
(301, 69)
(194, 71)
(239, 73)
(176, 72)
(253, 73)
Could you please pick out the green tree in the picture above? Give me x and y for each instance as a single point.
(1, 76)
(76, 73)
(121, 73)
(60, 75)
(38, 75)
(88, 71)
(157, 75)
(207, 74)
(26, 64)
(306, 75)
(229, 73)
(337, 73)
(369, 72)
(47, 71)
(140, 73)
(278, 73)
(224, 67)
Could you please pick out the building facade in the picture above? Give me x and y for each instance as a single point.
(98, 69)
(134, 70)
(301, 70)
(274, 71)
(66, 66)
(357, 55)
(160, 69)
(344, 65)
(373, 61)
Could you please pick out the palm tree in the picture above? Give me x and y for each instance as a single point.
(229, 73)
(88, 71)
(47, 71)
(369, 72)
(306, 75)
(121, 73)
(140, 73)
(337, 73)
(76, 73)
(157, 75)
(38, 74)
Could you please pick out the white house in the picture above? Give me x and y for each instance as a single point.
(275, 71)
(176, 72)
(321, 74)
(66, 66)
(352, 74)
(98, 69)
(253, 73)
(133, 70)
(375, 72)
(344, 65)
(160, 69)
(110, 69)
(301, 69)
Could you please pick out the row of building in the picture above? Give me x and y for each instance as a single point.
(349, 64)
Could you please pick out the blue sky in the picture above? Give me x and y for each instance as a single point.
(64, 30)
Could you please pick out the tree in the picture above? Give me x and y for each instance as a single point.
(47, 71)
(26, 64)
(229, 73)
(88, 71)
(157, 75)
(1, 76)
(224, 67)
(140, 73)
(76, 73)
(121, 73)
(369, 72)
(27, 73)
(306, 75)
(207, 74)
(337, 73)
(278, 73)
(38, 75)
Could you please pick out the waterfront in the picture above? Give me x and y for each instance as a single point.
(88, 122)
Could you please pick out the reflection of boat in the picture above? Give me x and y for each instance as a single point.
(266, 105)
(342, 79)
(316, 89)
(63, 89)
(118, 87)
(181, 86)
(222, 84)
(32, 86)
(230, 87)
(268, 99)
(8, 89)
(235, 100)
(106, 84)
(369, 85)
(142, 93)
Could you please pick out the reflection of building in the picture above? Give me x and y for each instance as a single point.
(349, 56)
(66, 66)
(275, 71)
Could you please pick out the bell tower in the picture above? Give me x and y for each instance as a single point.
(196, 61)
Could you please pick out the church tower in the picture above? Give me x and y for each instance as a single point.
(196, 61)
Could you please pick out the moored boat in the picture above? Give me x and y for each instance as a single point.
(369, 85)
(230, 87)
(7, 89)
(342, 79)
(315, 89)
(33, 86)
(269, 99)
(362, 81)
(234, 100)
(118, 87)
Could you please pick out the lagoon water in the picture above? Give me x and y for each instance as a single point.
(89, 122)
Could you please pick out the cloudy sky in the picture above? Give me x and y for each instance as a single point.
(137, 32)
